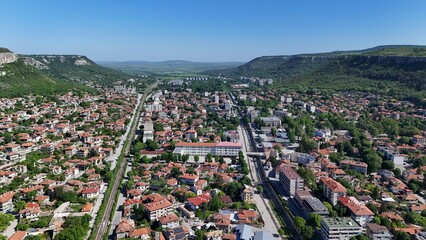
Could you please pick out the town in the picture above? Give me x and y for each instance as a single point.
(242, 164)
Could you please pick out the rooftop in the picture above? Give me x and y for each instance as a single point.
(339, 222)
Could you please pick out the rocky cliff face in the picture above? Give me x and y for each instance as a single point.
(8, 58)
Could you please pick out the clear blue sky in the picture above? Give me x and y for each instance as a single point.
(206, 30)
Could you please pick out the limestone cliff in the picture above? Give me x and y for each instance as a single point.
(8, 57)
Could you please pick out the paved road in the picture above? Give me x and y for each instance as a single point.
(271, 223)
(102, 229)
(10, 230)
(271, 194)
(268, 192)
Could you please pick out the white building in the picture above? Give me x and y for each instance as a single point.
(339, 228)
(202, 149)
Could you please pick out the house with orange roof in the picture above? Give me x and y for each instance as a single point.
(189, 179)
(158, 209)
(169, 221)
(87, 207)
(141, 233)
(195, 203)
(124, 228)
(18, 235)
(31, 211)
(89, 193)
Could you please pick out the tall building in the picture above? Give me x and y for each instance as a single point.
(247, 194)
(339, 228)
(290, 180)
(333, 190)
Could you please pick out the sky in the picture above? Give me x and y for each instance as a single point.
(207, 31)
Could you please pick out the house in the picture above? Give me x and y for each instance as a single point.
(418, 139)
(87, 207)
(176, 233)
(333, 190)
(134, 193)
(141, 233)
(189, 179)
(6, 204)
(124, 228)
(195, 203)
(378, 232)
(89, 193)
(246, 216)
(360, 167)
(18, 235)
(31, 211)
(169, 221)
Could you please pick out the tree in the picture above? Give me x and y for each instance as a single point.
(307, 232)
(314, 220)
(233, 189)
(299, 222)
(215, 203)
(388, 165)
(175, 172)
(400, 235)
(196, 158)
(209, 157)
(420, 162)
(151, 145)
(5, 220)
(19, 205)
(259, 189)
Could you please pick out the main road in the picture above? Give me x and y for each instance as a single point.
(102, 228)
(259, 176)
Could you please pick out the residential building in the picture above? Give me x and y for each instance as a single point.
(339, 228)
(271, 121)
(247, 194)
(290, 180)
(6, 204)
(359, 212)
(31, 211)
(176, 233)
(333, 190)
(169, 221)
(378, 232)
(418, 139)
(225, 149)
(158, 209)
(360, 167)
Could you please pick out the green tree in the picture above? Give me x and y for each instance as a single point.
(299, 222)
(314, 220)
(5, 220)
(400, 235)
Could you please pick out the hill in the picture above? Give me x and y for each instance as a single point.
(74, 68)
(394, 69)
(167, 67)
(18, 79)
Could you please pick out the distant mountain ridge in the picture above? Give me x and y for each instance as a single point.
(395, 68)
(170, 66)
